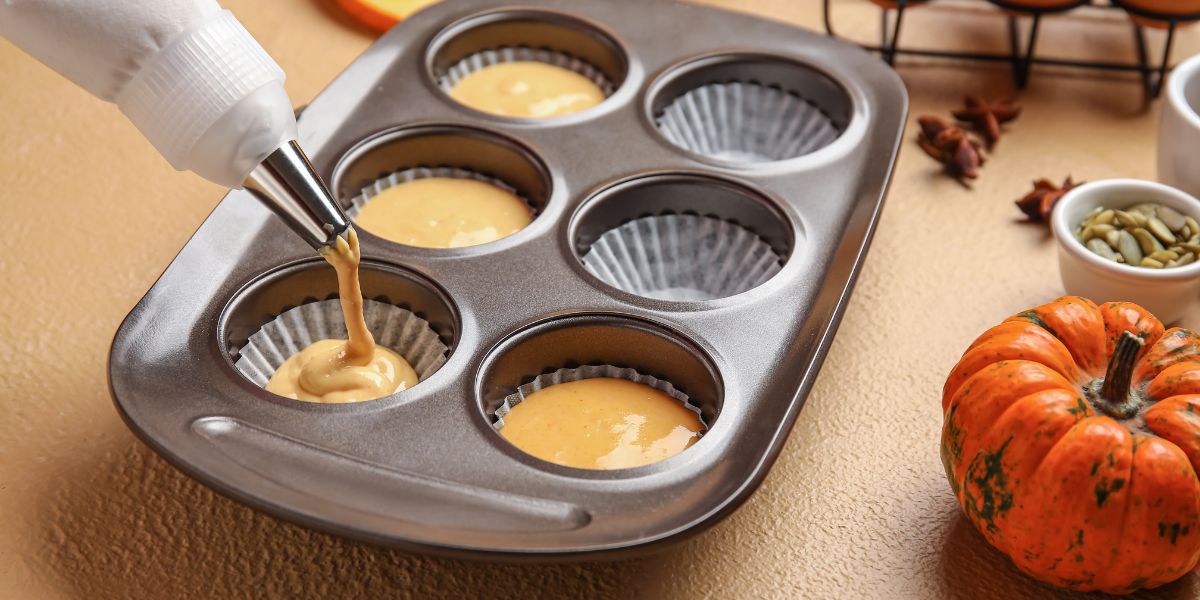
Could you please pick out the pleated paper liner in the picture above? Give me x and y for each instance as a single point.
(403, 176)
(542, 382)
(746, 122)
(294, 330)
(459, 70)
(682, 257)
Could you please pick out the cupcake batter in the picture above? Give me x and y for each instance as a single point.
(527, 89)
(602, 423)
(444, 212)
(351, 370)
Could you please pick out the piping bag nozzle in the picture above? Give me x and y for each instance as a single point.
(286, 182)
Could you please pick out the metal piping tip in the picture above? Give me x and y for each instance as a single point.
(286, 182)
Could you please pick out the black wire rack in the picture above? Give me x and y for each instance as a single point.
(1022, 49)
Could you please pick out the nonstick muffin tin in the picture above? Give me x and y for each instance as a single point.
(424, 469)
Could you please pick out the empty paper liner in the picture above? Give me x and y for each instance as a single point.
(746, 122)
(682, 257)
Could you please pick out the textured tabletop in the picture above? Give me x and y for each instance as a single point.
(856, 506)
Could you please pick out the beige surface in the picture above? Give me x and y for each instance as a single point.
(855, 507)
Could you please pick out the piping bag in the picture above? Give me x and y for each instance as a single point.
(196, 84)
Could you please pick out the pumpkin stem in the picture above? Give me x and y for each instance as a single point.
(1115, 398)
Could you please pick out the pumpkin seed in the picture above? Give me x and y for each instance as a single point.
(1149, 243)
(1160, 230)
(1114, 239)
(1101, 229)
(1165, 255)
(1106, 217)
(1146, 208)
(1128, 246)
(1099, 247)
(1150, 262)
(1170, 217)
(1126, 219)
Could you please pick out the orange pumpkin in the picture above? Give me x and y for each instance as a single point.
(889, 4)
(1166, 8)
(1071, 439)
(1038, 5)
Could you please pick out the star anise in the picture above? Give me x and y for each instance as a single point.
(950, 145)
(987, 116)
(1038, 204)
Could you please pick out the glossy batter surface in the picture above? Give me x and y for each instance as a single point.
(444, 212)
(601, 423)
(527, 89)
(351, 370)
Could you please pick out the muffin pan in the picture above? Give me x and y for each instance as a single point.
(424, 469)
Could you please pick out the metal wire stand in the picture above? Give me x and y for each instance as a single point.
(1021, 54)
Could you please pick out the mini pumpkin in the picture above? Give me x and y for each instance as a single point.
(1184, 11)
(1038, 5)
(895, 4)
(1071, 438)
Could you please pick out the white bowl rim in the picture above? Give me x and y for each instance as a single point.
(1180, 76)
(1064, 232)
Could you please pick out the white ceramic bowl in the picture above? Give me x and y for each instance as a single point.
(1179, 130)
(1165, 292)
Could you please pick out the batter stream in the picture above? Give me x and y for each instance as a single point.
(350, 370)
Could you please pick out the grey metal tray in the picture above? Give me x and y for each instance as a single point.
(423, 469)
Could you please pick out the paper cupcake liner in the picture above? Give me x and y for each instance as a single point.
(746, 122)
(682, 257)
(294, 330)
(403, 176)
(487, 58)
(542, 382)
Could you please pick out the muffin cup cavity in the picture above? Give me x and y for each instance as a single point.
(746, 109)
(598, 345)
(527, 35)
(682, 238)
(681, 258)
(487, 58)
(379, 185)
(542, 382)
(282, 312)
(396, 156)
(292, 331)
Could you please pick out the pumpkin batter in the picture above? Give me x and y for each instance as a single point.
(351, 370)
(444, 212)
(527, 89)
(602, 423)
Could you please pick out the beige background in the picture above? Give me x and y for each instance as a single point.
(856, 506)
